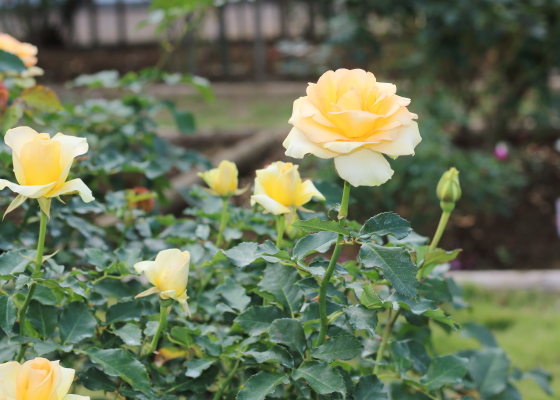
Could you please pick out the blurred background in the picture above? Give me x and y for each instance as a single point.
(483, 76)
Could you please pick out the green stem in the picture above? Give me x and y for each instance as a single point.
(441, 227)
(384, 339)
(38, 263)
(280, 225)
(41, 242)
(162, 320)
(21, 353)
(342, 213)
(223, 222)
(226, 381)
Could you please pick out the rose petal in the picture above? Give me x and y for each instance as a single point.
(345, 147)
(308, 190)
(270, 204)
(73, 186)
(316, 132)
(33, 192)
(363, 168)
(66, 379)
(150, 291)
(8, 374)
(407, 139)
(70, 148)
(149, 269)
(298, 145)
(16, 138)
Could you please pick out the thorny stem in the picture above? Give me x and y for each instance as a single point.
(223, 222)
(38, 263)
(343, 212)
(226, 381)
(439, 232)
(385, 337)
(280, 225)
(441, 227)
(162, 320)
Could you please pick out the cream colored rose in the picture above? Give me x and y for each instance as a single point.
(38, 379)
(349, 116)
(222, 180)
(42, 164)
(169, 274)
(279, 189)
(25, 51)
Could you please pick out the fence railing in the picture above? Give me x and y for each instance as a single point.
(114, 23)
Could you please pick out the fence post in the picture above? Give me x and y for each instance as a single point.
(311, 13)
(190, 47)
(93, 21)
(284, 6)
(260, 51)
(120, 8)
(222, 39)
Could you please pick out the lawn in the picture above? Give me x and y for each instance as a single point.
(526, 324)
(240, 106)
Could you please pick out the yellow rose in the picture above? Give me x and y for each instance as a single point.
(279, 189)
(222, 180)
(42, 164)
(349, 116)
(169, 274)
(38, 379)
(25, 51)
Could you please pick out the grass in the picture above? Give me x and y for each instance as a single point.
(526, 325)
(236, 112)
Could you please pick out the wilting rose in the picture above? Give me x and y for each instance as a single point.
(38, 379)
(279, 189)
(222, 180)
(25, 51)
(169, 274)
(349, 116)
(42, 164)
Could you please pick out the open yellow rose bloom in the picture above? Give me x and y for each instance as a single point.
(25, 51)
(169, 274)
(279, 189)
(38, 379)
(42, 164)
(223, 180)
(349, 116)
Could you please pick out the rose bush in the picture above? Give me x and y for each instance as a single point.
(339, 309)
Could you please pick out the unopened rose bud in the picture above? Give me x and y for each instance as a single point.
(449, 190)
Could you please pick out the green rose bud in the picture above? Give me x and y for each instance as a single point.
(449, 190)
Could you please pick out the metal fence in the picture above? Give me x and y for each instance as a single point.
(102, 24)
(115, 23)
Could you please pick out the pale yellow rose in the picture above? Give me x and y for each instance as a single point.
(279, 189)
(349, 116)
(42, 164)
(169, 274)
(222, 180)
(25, 51)
(38, 379)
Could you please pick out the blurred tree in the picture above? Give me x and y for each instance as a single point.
(496, 57)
